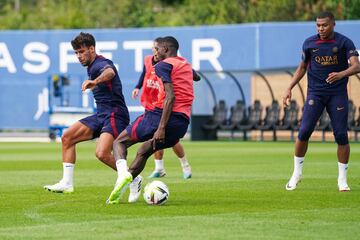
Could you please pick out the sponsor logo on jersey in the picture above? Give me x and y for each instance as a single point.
(327, 60)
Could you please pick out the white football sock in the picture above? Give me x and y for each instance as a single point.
(342, 171)
(159, 164)
(184, 162)
(121, 166)
(68, 173)
(298, 165)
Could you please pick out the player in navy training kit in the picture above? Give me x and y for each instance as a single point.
(329, 59)
(111, 116)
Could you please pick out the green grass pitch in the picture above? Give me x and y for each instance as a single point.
(237, 192)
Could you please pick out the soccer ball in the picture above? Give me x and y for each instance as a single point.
(156, 193)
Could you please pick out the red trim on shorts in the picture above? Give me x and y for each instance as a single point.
(113, 125)
(133, 129)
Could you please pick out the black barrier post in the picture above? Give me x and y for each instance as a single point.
(237, 84)
(267, 84)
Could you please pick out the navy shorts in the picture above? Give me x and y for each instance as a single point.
(112, 122)
(337, 108)
(144, 127)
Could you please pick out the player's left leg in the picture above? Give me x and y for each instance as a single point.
(180, 153)
(338, 113)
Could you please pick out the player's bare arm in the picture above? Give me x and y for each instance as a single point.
(107, 75)
(354, 68)
(159, 135)
(298, 75)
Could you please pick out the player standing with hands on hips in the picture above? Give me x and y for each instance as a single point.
(329, 58)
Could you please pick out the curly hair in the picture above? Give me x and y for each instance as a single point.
(83, 39)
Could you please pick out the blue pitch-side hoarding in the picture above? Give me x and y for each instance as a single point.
(28, 58)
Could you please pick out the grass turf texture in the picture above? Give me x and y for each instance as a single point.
(237, 192)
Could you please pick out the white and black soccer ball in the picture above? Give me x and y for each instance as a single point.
(156, 193)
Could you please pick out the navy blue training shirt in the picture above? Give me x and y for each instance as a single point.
(324, 57)
(107, 94)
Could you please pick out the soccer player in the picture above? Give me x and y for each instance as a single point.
(148, 97)
(111, 116)
(163, 126)
(329, 58)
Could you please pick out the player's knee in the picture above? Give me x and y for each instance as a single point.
(65, 140)
(304, 135)
(102, 155)
(341, 138)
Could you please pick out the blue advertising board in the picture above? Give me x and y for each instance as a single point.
(29, 58)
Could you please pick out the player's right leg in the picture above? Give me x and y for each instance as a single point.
(120, 146)
(78, 132)
(159, 170)
(180, 153)
(124, 180)
(313, 109)
(300, 151)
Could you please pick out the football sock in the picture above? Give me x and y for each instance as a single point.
(184, 162)
(68, 173)
(159, 164)
(121, 166)
(342, 170)
(298, 165)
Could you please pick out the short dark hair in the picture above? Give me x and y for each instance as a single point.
(83, 39)
(158, 39)
(326, 14)
(171, 42)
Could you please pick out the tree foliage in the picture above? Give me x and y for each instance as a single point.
(70, 14)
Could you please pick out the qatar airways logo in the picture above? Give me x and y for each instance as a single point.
(38, 58)
(327, 60)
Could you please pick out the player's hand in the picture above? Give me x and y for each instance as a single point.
(286, 98)
(159, 137)
(333, 77)
(88, 84)
(135, 93)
